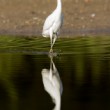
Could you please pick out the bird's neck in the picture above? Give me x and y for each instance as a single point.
(59, 5)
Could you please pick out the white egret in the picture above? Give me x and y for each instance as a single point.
(52, 84)
(53, 24)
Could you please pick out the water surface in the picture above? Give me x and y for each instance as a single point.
(80, 74)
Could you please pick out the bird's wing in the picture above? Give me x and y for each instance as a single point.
(49, 22)
(62, 19)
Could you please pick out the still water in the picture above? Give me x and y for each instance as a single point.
(77, 77)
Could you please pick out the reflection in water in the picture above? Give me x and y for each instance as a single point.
(52, 84)
(84, 67)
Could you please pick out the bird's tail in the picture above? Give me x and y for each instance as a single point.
(45, 34)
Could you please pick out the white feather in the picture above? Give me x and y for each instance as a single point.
(53, 23)
(52, 84)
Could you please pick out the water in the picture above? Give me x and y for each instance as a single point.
(80, 74)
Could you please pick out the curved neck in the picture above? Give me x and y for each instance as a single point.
(59, 4)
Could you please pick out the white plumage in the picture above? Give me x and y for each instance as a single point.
(53, 24)
(52, 84)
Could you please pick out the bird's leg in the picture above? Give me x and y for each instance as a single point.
(54, 39)
(51, 50)
(51, 40)
(50, 76)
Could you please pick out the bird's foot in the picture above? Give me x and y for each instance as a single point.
(51, 53)
(51, 50)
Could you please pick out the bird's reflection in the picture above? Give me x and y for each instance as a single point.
(52, 84)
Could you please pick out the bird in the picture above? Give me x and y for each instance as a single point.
(52, 84)
(53, 24)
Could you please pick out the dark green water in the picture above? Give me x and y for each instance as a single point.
(82, 70)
